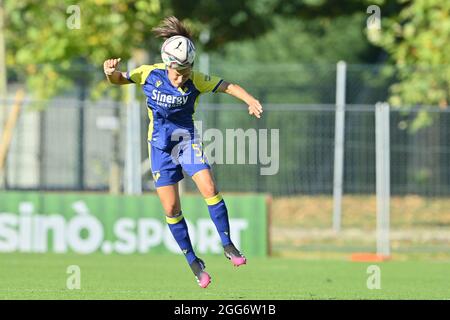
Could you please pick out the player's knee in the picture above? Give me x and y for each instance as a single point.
(172, 209)
(210, 190)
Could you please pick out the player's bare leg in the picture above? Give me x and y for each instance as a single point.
(219, 214)
(170, 200)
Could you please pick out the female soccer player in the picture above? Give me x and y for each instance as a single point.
(172, 89)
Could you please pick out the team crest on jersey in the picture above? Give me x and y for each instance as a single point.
(158, 83)
(156, 175)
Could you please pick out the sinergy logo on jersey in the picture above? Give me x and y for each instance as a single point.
(167, 100)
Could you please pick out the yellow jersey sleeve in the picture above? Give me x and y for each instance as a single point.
(205, 83)
(140, 74)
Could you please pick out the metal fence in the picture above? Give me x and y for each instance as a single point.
(66, 147)
(72, 145)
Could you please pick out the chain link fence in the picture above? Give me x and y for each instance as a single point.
(66, 147)
(74, 144)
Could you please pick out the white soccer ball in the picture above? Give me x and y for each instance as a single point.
(178, 52)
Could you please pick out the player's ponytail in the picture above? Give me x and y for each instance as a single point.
(170, 27)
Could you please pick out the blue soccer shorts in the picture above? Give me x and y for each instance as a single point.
(167, 166)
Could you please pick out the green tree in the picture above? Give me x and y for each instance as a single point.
(51, 42)
(46, 51)
(417, 40)
(50, 51)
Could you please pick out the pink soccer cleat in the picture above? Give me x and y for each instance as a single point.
(203, 278)
(234, 255)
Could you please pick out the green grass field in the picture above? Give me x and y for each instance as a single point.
(43, 276)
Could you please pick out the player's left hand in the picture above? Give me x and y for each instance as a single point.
(255, 108)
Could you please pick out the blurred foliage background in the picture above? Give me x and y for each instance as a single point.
(276, 41)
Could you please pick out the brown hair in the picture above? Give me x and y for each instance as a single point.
(170, 27)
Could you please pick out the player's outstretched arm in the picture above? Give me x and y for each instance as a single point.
(254, 106)
(113, 75)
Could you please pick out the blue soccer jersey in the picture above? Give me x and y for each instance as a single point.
(170, 108)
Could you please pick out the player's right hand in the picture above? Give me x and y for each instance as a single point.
(110, 65)
(255, 108)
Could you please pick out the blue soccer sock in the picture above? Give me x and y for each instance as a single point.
(219, 215)
(179, 229)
